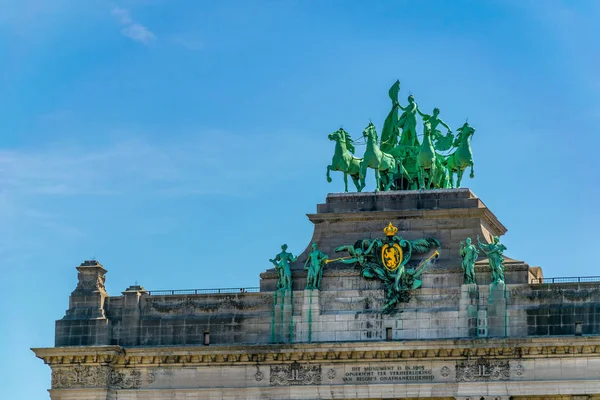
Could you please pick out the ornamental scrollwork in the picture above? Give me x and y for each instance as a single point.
(482, 370)
(80, 376)
(295, 374)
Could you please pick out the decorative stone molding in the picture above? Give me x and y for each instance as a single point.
(459, 350)
(482, 370)
(295, 374)
(80, 376)
(230, 301)
(129, 378)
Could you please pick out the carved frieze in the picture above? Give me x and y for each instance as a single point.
(482, 370)
(295, 374)
(129, 378)
(229, 302)
(80, 376)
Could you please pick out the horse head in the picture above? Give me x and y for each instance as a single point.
(337, 135)
(370, 133)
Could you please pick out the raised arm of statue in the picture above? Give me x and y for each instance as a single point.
(487, 248)
(445, 125)
(419, 111)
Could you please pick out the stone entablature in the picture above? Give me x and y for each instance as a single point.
(438, 368)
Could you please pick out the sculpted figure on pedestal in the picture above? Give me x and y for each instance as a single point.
(469, 254)
(314, 264)
(282, 263)
(494, 252)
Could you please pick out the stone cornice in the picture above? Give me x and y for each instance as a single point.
(480, 212)
(346, 352)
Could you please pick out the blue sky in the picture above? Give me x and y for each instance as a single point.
(181, 142)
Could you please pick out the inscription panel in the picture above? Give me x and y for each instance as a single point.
(388, 374)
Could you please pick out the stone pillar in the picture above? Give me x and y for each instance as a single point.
(282, 324)
(85, 322)
(130, 329)
(311, 309)
(497, 316)
(468, 310)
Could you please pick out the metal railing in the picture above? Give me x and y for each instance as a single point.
(566, 279)
(204, 291)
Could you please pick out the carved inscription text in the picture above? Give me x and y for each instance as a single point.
(388, 373)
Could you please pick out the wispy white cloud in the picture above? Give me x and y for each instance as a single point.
(188, 42)
(132, 29)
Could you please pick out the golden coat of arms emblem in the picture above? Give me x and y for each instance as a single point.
(391, 256)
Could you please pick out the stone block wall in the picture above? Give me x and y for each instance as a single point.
(554, 309)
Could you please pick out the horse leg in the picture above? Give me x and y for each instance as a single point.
(345, 182)
(390, 175)
(329, 167)
(459, 174)
(472, 175)
(356, 181)
(431, 174)
(377, 178)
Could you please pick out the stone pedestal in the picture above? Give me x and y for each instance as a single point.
(449, 215)
(282, 325)
(311, 310)
(468, 310)
(497, 320)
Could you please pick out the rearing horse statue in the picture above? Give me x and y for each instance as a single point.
(384, 164)
(463, 156)
(344, 161)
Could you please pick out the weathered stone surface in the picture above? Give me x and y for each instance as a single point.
(448, 340)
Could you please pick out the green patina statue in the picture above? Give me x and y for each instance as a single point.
(389, 133)
(462, 156)
(383, 164)
(442, 143)
(282, 263)
(426, 159)
(494, 252)
(344, 161)
(314, 264)
(386, 260)
(408, 123)
(469, 254)
(406, 164)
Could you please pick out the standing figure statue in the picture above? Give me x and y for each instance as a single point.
(282, 263)
(408, 123)
(442, 143)
(494, 252)
(317, 260)
(469, 254)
